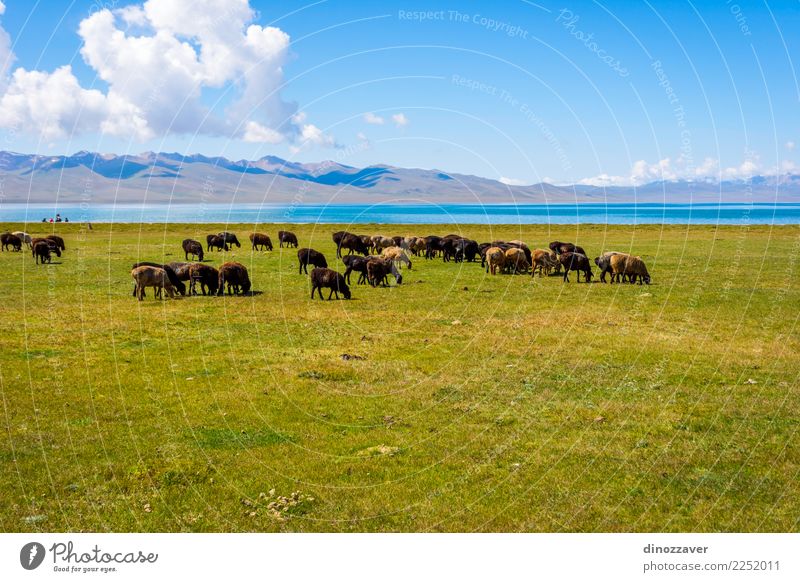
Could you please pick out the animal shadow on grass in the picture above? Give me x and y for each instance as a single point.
(250, 293)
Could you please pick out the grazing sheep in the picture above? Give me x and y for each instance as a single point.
(58, 241)
(397, 255)
(415, 244)
(357, 264)
(230, 238)
(176, 281)
(322, 277)
(42, 249)
(603, 262)
(310, 257)
(381, 242)
(543, 261)
(466, 250)
(214, 241)
(353, 243)
(181, 270)
(24, 237)
(287, 238)
(260, 240)
(495, 259)
(206, 275)
(192, 247)
(633, 267)
(235, 276)
(10, 240)
(398, 240)
(378, 271)
(516, 261)
(155, 277)
(53, 246)
(576, 262)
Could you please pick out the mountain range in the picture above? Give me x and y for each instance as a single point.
(170, 177)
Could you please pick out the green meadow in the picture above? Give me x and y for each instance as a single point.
(456, 401)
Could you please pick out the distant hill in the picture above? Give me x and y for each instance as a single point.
(164, 177)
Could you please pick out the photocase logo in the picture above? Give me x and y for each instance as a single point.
(31, 555)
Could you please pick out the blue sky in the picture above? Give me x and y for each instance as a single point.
(607, 93)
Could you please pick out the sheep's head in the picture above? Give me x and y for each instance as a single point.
(346, 292)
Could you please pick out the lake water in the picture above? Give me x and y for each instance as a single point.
(415, 214)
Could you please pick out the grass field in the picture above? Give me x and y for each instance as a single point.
(481, 403)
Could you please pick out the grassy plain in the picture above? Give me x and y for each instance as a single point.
(481, 403)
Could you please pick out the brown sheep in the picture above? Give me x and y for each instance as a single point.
(378, 271)
(235, 276)
(397, 255)
(192, 247)
(633, 267)
(495, 259)
(603, 263)
(543, 261)
(516, 261)
(206, 275)
(176, 281)
(260, 240)
(151, 277)
(329, 279)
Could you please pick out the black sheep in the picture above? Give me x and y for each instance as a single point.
(192, 247)
(322, 277)
(310, 257)
(576, 262)
(357, 264)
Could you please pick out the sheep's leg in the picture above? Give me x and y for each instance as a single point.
(566, 275)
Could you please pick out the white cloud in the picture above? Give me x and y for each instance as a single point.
(254, 132)
(157, 58)
(790, 145)
(373, 119)
(400, 120)
(643, 172)
(511, 181)
(54, 103)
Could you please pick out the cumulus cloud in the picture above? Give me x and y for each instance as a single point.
(157, 58)
(373, 119)
(400, 120)
(667, 169)
(511, 181)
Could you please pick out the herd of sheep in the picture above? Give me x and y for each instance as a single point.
(375, 258)
(42, 248)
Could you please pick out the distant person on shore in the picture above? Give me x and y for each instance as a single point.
(66, 219)
(58, 218)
